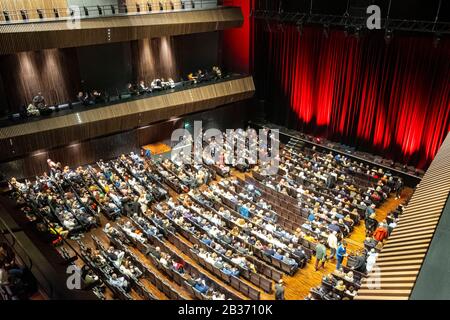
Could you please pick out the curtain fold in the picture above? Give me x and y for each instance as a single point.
(392, 99)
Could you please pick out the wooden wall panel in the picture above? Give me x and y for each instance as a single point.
(407, 246)
(154, 58)
(13, 7)
(58, 34)
(53, 72)
(58, 131)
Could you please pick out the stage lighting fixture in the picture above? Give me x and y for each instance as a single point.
(326, 30)
(346, 30)
(357, 32)
(389, 34)
(300, 28)
(436, 40)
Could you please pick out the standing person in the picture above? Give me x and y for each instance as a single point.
(371, 259)
(332, 244)
(321, 255)
(341, 252)
(279, 290)
(398, 188)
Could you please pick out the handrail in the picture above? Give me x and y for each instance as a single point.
(22, 16)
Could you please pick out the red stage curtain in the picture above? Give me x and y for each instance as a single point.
(392, 99)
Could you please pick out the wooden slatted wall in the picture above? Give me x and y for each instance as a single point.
(400, 260)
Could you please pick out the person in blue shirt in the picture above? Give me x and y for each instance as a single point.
(244, 211)
(369, 211)
(311, 216)
(206, 240)
(278, 255)
(341, 252)
(227, 270)
(201, 286)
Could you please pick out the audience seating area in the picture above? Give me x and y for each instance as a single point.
(348, 150)
(154, 228)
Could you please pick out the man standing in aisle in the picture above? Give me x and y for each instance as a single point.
(332, 244)
(279, 290)
(340, 254)
(321, 255)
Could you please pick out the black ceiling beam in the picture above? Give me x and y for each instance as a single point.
(351, 21)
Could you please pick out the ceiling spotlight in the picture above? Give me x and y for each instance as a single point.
(326, 30)
(357, 32)
(346, 30)
(389, 34)
(300, 28)
(436, 40)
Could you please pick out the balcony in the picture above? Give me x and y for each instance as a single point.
(21, 31)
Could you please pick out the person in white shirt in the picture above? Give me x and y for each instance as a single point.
(119, 282)
(371, 260)
(332, 244)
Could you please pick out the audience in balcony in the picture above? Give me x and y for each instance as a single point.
(38, 105)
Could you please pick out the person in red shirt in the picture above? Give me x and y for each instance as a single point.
(380, 233)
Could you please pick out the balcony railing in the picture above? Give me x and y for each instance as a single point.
(96, 11)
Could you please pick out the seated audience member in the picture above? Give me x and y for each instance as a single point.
(39, 103)
(32, 111)
(200, 285)
(371, 224)
(340, 286)
(380, 233)
(278, 255)
(289, 261)
(360, 263)
(119, 282)
(142, 88)
(200, 76)
(349, 276)
(192, 78)
(84, 99)
(370, 243)
(351, 292)
(131, 89)
(171, 83)
(217, 72)
(97, 97)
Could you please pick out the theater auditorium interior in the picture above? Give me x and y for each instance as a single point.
(224, 150)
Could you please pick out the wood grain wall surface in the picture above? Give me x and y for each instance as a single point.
(60, 73)
(60, 34)
(18, 140)
(400, 260)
